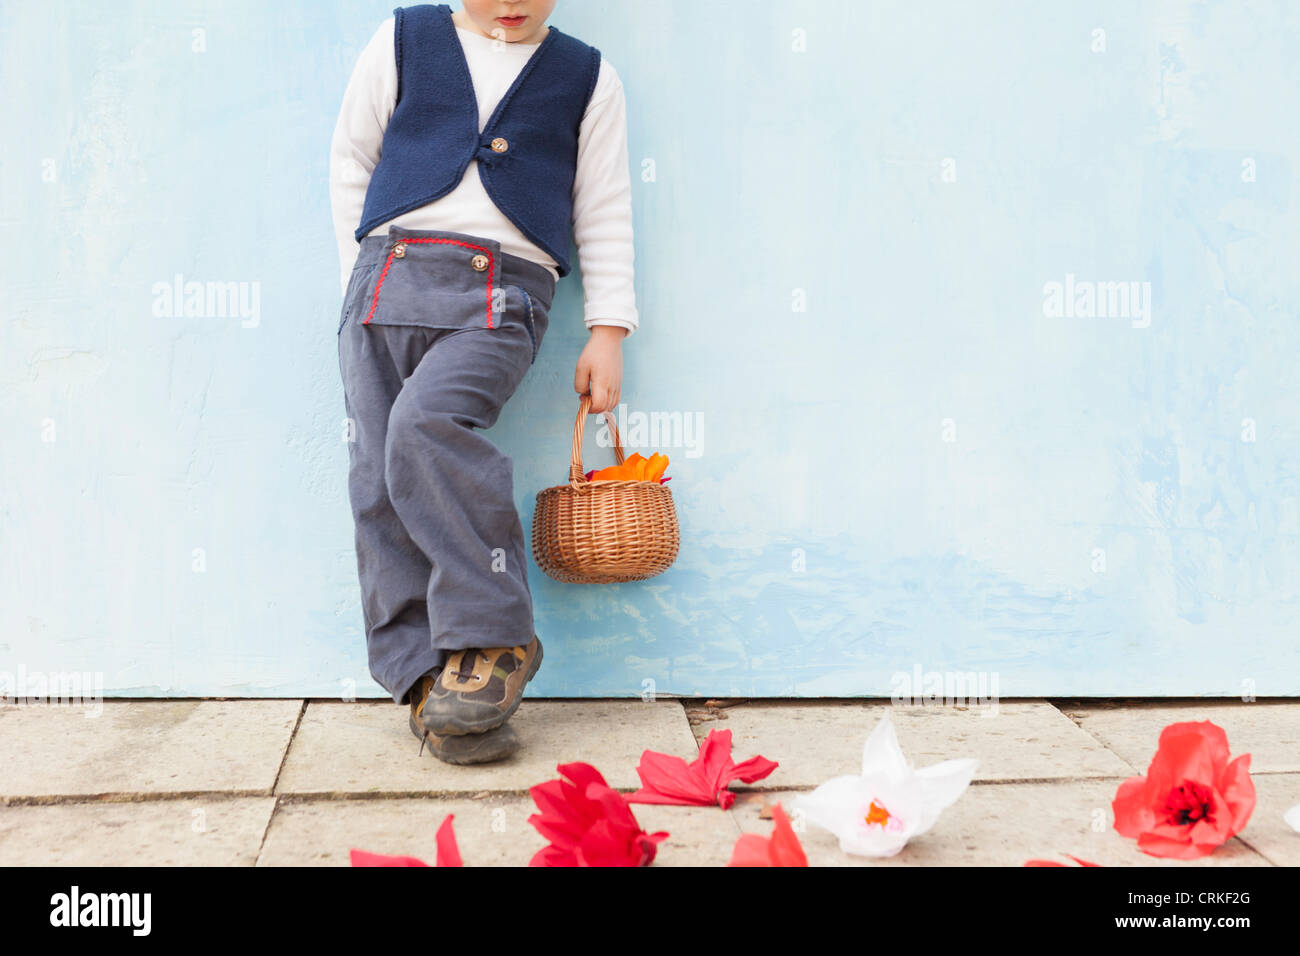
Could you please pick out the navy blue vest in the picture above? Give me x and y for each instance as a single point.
(527, 153)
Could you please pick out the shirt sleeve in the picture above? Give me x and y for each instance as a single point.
(602, 207)
(355, 148)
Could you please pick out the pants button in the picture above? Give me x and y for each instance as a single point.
(399, 250)
(479, 262)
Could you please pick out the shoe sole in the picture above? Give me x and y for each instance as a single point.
(452, 727)
(482, 748)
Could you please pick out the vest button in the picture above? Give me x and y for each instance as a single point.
(479, 262)
(399, 250)
(499, 145)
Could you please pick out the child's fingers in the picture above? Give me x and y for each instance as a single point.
(581, 378)
(600, 397)
(607, 394)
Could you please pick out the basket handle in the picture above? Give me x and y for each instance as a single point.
(576, 474)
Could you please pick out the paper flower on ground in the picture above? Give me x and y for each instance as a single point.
(1192, 799)
(876, 813)
(588, 823)
(1054, 863)
(635, 467)
(782, 848)
(448, 852)
(702, 782)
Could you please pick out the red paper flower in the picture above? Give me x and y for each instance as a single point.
(701, 783)
(587, 823)
(782, 848)
(1192, 799)
(1054, 863)
(448, 852)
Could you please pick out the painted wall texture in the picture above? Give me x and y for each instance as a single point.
(983, 316)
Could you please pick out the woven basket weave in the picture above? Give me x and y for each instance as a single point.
(599, 532)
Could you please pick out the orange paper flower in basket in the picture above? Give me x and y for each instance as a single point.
(635, 467)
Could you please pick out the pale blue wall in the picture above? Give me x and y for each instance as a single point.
(822, 430)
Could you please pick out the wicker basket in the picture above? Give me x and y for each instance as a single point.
(598, 532)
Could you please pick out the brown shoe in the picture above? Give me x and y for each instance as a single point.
(494, 745)
(479, 689)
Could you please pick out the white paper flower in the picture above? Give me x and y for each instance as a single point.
(875, 814)
(1292, 817)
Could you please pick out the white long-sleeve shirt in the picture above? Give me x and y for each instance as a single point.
(602, 189)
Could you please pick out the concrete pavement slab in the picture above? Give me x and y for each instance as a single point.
(816, 740)
(366, 747)
(1268, 730)
(144, 747)
(219, 831)
(1266, 832)
(492, 830)
(1002, 825)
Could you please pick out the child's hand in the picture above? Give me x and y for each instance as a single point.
(600, 367)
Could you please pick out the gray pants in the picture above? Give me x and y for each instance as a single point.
(437, 331)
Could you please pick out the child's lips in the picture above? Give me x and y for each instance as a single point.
(511, 21)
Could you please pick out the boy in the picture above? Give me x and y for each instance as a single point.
(469, 148)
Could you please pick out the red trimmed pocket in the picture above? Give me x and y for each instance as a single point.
(435, 283)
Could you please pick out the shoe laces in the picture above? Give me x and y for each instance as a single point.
(465, 670)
